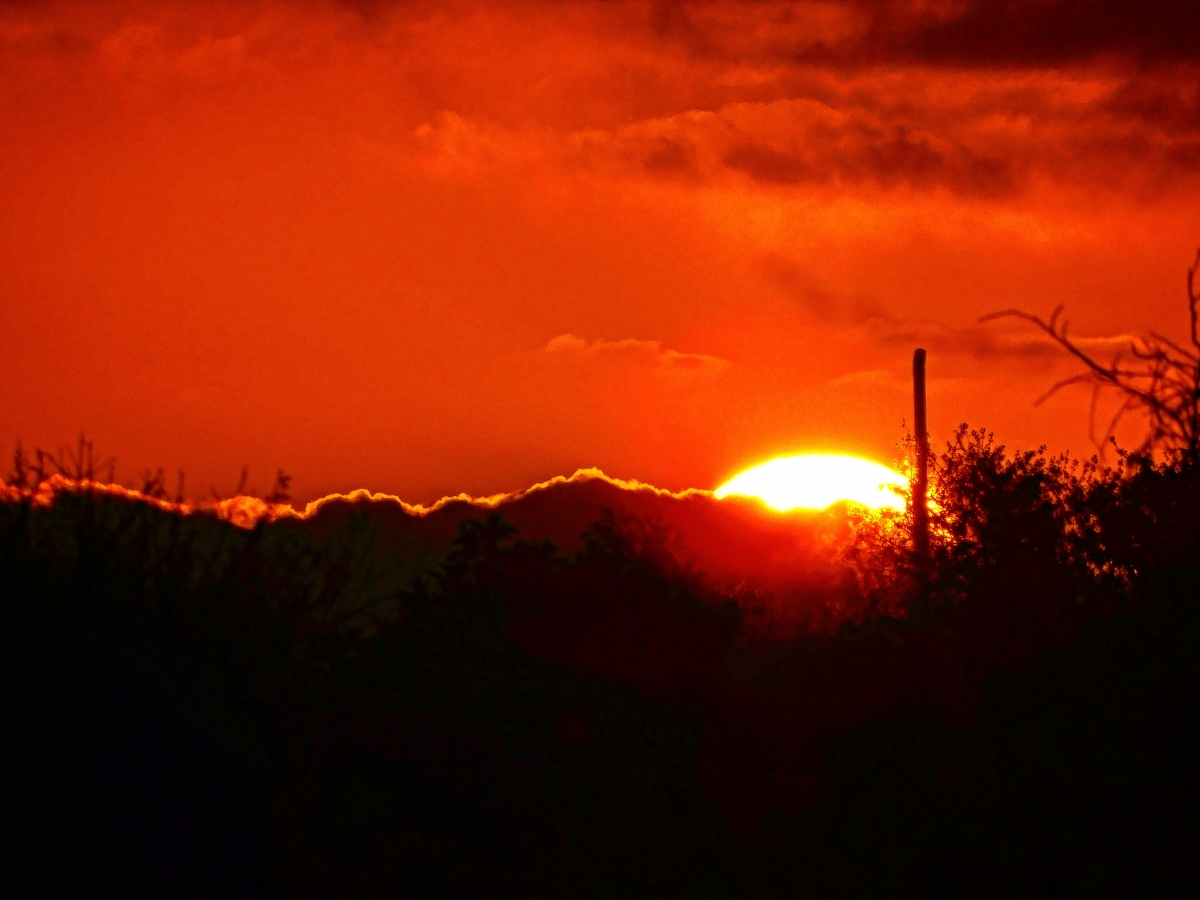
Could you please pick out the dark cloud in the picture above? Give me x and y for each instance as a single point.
(861, 153)
(810, 294)
(958, 33)
(873, 323)
(899, 155)
(982, 341)
(764, 164)
(1103, 91)
(668, 158)
(1169, 99)
(1040, 33)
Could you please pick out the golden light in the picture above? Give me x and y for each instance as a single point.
(817, 480)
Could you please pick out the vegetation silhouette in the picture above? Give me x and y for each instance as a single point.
(197, 708)
(1155, 376)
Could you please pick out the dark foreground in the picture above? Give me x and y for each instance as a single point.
(194, 709)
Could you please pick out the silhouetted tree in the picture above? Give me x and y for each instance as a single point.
(1156, 375)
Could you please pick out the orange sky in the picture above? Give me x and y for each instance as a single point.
(437, 247)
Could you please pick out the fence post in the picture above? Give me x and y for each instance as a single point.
(920, 487)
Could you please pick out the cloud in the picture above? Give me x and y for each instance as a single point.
(952, 33)
(775, 144)
(568, 346)
(862, 152)
(669, 157)
(976, 135)
(783, 96)
(985, 342)
(810, 293)
(1034, 33)
(866, 379)
(763, 163)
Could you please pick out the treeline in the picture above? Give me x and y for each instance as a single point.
(200, 709)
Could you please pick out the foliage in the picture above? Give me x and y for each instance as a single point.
(208, 709)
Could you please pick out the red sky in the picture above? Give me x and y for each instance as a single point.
(437, 247)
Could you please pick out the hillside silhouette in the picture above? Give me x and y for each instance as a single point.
(732, 547)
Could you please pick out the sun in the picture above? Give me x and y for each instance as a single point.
(817, 480)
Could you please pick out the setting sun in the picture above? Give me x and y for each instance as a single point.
(817, 480)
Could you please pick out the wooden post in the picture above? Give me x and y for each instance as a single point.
(920, 488)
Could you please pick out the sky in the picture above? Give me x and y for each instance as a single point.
(431, 248)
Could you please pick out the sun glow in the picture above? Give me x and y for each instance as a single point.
(817, 480)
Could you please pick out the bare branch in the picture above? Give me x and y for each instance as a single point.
(1192, 298)
(1164, 382)
(1066, 382)
(1163, 339)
